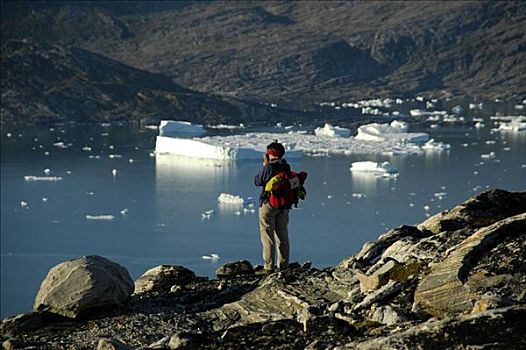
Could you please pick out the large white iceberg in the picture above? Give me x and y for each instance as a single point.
(373, 167)
(176, 128)
(228, 198)
(332, 131)
(392, 138)
(396, 131)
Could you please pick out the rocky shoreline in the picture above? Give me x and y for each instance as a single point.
(455, 281)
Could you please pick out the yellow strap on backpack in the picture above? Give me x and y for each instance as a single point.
(273, 183)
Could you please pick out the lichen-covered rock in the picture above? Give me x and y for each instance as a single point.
(77, 285)
(237, 268)
(162, 278)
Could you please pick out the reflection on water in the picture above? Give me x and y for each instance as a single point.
(370, 183)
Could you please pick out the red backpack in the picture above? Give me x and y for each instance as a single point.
(285, 189)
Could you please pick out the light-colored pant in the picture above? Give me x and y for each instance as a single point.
(273, 226)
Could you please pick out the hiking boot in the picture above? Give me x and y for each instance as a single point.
(263, 272)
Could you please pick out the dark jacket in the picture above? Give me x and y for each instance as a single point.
(268, 172)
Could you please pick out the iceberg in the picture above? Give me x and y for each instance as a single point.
(373, 167)
(332, 131)
(396, 131)
(180, 129)
(100, 217)
(375, 138)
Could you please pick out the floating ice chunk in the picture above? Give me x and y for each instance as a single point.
(440, 195)
(249, 210)
(479, 125)
(125, 211)
(519, 107)
(491, 142)
(358, 195)
(9, 134)
(457, 109)
(44, 199)
(152, 127)
(46, 153)
(226, 126)
(427, 207)
(213, 257)
(130, 160)
(47, 171)
(230, 199)
(104, 217)
(86, 148)
(90, 193)
(60, 145)
(207, 214)
(433, 145)
(396, 131)
(113, 156)
(373, 167)
(238, 213)
(114, 172)
(24, 205)
(515, 124)
(180, 129)
(42, 178)
(421, 113)
(332, 131)
(330, 196)
(490, 155)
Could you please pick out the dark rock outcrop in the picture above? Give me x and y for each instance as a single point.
(454, 289)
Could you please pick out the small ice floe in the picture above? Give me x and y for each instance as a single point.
(24, 205)
(100, 217)
(60, 145)
(213, 257)
(507, 149)
(130, 160)
(237, 213)
(44, 199)
(111, 147)
(152, 127)
(433, 145)
(373, 167)
(332, 131)
(90, 193)
(330, 196)
(207, 214)
(104, 134)
(490, 142)
(426, 207)
(42, 178)
(86, 148)
(152, 154)
(68, 172)
(440, 195)
(479, 125)
(523, 166)
(47, 171)
(249, 211)
(490, 155)
(114, 172)
(113, 156)
(358, 195)
(9, 134)
(457, 109)
(125, 211)
(229, 199)
(46, 153)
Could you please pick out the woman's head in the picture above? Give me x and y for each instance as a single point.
(275, 150)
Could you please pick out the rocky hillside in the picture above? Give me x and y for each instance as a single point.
(292, 53)
(42, 82)
(456, 281)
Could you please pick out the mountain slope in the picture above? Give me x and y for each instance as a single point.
(295, 52)
(52, 83)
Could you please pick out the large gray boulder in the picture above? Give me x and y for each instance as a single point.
(77, 285)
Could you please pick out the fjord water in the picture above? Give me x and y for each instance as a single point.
(157, 202)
